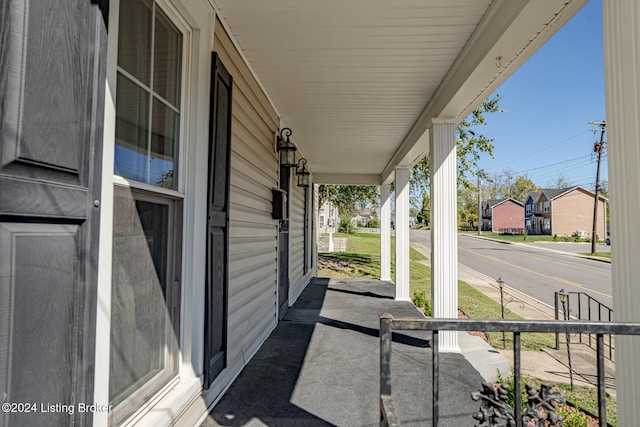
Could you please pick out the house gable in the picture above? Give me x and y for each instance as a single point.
(507, 216)
(572, 211)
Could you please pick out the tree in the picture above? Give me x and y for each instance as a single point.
(559, 182)
(424, 215)
(471, 145)
(521, 187)
(505, 185)
(349, 198)
(468, 207)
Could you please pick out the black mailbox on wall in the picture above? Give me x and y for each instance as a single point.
(279, 204)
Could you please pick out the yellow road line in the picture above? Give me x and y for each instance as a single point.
(558, 279)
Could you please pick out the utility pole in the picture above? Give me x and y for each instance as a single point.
(479, 207)
(597, 148)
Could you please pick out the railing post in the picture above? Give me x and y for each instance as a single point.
(610, 340)
(602, 395)
(517, 375)
(435, 377)
(386, 326)
(555, 303)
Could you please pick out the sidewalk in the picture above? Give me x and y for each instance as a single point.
(549, 365)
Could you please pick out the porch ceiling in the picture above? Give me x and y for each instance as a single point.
(359, 80)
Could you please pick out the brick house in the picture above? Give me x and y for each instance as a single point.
(503, 216)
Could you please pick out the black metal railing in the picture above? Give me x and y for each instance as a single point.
(582, 306)
(388, 324)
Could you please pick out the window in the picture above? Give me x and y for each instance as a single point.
(147, 225)
(143, 339)
(528, 209)
(148, 95)
(547, 224)
(546, 206)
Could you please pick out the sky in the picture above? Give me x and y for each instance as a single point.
(544, 131)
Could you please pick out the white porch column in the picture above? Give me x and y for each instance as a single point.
(402, 234)
(621, 29)
(385, 232)
(444, 230)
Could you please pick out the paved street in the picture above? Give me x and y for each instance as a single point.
(531, 269)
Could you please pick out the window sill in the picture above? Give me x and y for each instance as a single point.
(171, 406)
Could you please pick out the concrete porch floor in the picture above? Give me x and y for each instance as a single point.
(320, 366)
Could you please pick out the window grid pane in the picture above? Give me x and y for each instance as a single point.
(139, 318)
(153, 161)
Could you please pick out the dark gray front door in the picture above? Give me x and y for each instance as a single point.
(52, 78)
(218, 221)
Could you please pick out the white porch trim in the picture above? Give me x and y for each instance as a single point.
(402, 234)
(385, 232)
(621, 30)
(444, 231)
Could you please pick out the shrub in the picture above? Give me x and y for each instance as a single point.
(555, 237)
(572, 417)
(510, 382)
(346, 226)
(421, 300)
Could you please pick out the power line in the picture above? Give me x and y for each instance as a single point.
(552, 164)
(548, 147)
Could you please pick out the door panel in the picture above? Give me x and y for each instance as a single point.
(218, 222)
(52, 73)
(37, 305)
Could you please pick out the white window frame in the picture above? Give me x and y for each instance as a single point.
(163, 380)
(183, 134)
(178, 195)
(547, 206)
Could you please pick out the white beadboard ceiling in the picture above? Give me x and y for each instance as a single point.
(358, 80)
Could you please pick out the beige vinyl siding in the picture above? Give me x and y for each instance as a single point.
(573, 211)
(315, 229)
(296, 256)
(299, 277)
(252, 231)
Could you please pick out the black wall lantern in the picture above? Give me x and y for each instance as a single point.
(303, 173)
(286, 149)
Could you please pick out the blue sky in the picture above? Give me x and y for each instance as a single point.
(549, 103)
